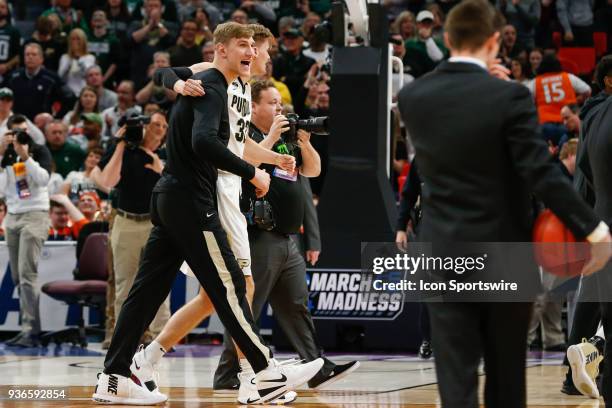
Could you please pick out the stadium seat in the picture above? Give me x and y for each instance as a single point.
(584, 57)
(569, 66)
(87, 289)
(600, 40)
(557, 38)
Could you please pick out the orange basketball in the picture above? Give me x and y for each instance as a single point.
(556, 248)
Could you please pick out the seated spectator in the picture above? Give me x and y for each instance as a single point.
(35, 87)
(438, 23)
(69, 17)
(95, 80)
(240, 16)
(405, 25)
(59, 229)
(291, 66)
(552, 89)
(75, 62)
(208, 51)
(524, 16)
(66, 155)
(125, 100)
(202, 11)
(79, 181)
(153, 93)
(567, 157)
(83, 213)
(6, 111)
(92, 132)
(423, 53)
(576, 18)
(510, 48)
(519, 71)
(259, 12)
(396, 7)
(51, 40)
(167, 8)
(399, 51)
(87, 103)
(56, 181)
(204, 34)
(284, 24)
(118, 17)
(570, 114)
(186, 51)
(148, 36)
(535, 59)
(310, 22)
(41, 121)
(318, 48)
(104, 45)
(10, 42)
(150, 108)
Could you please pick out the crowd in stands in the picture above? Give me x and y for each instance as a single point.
(71, 73)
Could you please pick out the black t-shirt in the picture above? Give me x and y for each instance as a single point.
(286, 197)
(136, 184)
(10, 43)
(197, 143)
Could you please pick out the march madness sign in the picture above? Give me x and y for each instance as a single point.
(350, 294)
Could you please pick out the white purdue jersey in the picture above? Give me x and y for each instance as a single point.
(239, 113)
(228, 184)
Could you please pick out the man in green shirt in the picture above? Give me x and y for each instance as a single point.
(66, 155)
(423, 52)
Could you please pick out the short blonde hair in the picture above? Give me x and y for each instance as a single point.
(260, 33)
(227, 31)
(570, 148)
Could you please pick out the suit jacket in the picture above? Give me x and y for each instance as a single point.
(480, 158)
(599, 150)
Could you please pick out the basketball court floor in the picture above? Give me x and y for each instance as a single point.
(383, 380)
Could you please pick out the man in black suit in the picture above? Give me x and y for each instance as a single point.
(480, 156)
(598, 145)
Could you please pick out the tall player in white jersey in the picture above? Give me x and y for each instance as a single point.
(232, 219)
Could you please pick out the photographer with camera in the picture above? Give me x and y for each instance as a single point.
(24, 173)
(132, 167)
(278, 268)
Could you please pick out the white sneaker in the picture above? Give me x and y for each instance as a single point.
(278, 379)
(144, 371)
(247, 393)
(117, 389)
(584, 360)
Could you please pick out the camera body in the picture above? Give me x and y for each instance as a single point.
(319, 125)
(134, 124)
(10, 155)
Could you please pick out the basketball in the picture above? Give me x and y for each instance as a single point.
(556, 249)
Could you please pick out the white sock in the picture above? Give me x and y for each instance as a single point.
(154, 352)
(600, 332)
(245, 367)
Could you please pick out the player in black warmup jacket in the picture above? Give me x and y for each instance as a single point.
(187, 227)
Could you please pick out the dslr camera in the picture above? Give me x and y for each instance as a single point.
(10, 155)
(318, 125)
(134, 124)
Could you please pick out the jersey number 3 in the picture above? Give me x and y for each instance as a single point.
(244, 125)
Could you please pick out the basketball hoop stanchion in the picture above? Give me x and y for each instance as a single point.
(357, 204)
